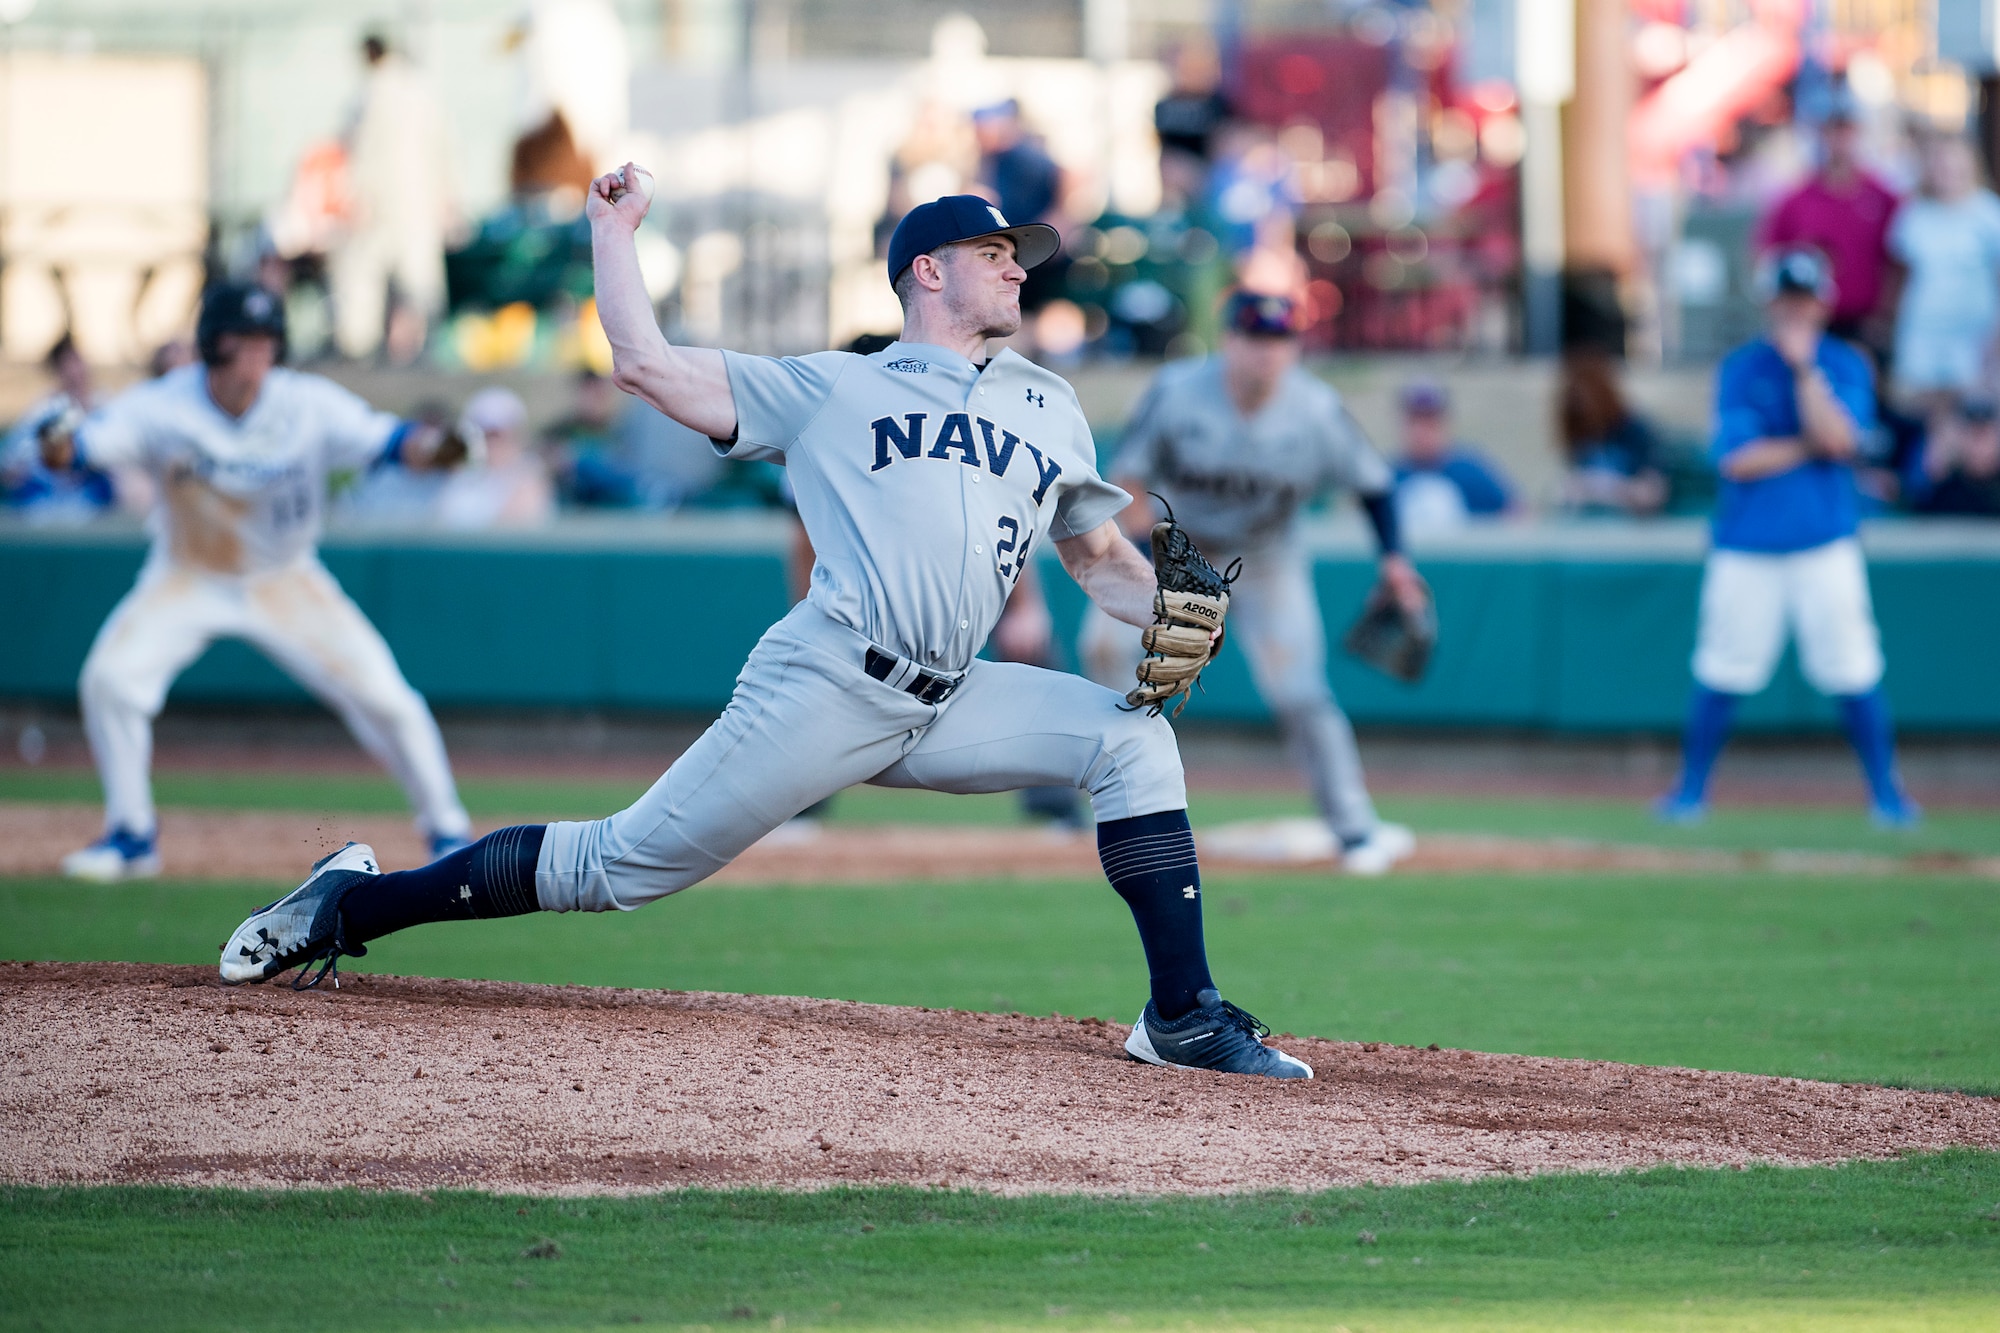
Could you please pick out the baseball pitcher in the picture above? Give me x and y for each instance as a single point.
(1235, 444)
(927, 475)
(239, 449)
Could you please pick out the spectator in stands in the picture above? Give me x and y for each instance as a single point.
(1025, 183)
(580, 449)
(400, 172)
(1187, 120)
(1959, 471)
(511, 488)
(169, 355)
(1948, 238)
(39, 493)
(1441, 484)
(1612, 451)
(1844, 212)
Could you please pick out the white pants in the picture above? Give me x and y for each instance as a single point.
(301, 620)
(1274, 617)
(1750, 602)
(806, 720)
(358, 279)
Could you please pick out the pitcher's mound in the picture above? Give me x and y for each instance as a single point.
(123, 1072)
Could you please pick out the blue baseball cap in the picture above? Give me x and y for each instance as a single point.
(1261, 315)
(1796, 271)
(966, 217)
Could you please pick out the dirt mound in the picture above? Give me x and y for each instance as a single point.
(121, 1072)
(279, 845)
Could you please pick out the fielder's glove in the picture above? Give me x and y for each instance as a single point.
(55, 438)
(1188, 609)
(1393, 639)
(464, 445)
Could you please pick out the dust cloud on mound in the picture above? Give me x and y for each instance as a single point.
(122, 1072)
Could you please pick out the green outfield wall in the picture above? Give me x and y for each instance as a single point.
(1569, 629)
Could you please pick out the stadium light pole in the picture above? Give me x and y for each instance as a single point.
(1545, 75)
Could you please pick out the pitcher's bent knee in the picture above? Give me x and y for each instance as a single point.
(1139, 771)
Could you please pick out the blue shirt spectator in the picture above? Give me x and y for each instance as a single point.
(1756, 399)
(1441, 483)
(59, 495)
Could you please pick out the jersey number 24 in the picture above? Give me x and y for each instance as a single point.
(1012, 548)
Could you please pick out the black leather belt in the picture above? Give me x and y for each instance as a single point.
(926, 686)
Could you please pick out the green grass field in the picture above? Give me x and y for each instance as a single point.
(1911, 1244)
(1852, 978)
(1760, 827)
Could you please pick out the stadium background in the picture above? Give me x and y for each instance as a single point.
(1784, 938)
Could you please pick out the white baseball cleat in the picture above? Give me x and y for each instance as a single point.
(303, 927)
(116, 856)
(1376, 854)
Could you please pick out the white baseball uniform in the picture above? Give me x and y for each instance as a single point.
(924, 483)
(233, 556)
(1237, 486)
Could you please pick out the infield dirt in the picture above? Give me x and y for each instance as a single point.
(133, 1073)
(279, 845)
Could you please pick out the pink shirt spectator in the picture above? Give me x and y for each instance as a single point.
(1850, 225)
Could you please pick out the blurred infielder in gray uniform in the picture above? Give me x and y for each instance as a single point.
(1235, 444)
(926, 476)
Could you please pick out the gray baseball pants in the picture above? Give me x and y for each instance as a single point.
(806, 720)
(1274, 617)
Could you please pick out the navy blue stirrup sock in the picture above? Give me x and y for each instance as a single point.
(493, 877)
(1150, 860)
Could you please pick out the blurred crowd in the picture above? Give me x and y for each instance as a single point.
(1915, 285)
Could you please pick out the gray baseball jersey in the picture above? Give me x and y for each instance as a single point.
(240, 495)
(924, 482)
(1237, 484)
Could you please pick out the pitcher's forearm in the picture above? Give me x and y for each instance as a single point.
(1111, 573)
(623, 307)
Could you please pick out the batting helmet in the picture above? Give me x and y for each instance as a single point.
(238, 307)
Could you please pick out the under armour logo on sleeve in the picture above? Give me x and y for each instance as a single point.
(1035, 398)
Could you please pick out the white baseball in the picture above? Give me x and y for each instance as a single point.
(636, 177)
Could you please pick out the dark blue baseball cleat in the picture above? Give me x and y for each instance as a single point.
(1216, 1035)
(303, 927)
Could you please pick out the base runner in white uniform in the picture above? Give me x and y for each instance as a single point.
(1236, 444)
(926, 477)
(240, 448)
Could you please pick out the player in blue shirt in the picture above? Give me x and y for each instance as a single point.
(1792, 408)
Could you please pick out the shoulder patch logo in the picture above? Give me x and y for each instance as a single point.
(1035, 398)
(909, 365)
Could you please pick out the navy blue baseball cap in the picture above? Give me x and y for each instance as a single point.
(1797, 271)
(966, 217)
(1261, 315)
